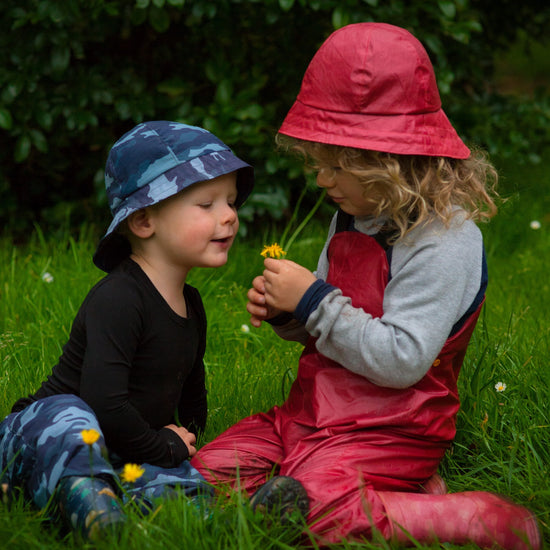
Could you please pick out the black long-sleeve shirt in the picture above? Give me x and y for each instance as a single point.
(137, 364)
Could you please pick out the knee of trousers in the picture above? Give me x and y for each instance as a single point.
(44, 442)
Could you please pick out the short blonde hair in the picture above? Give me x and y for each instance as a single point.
(409, 189)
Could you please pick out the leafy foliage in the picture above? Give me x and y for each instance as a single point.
(76, 75)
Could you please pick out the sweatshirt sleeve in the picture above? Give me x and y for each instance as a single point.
(436, 274)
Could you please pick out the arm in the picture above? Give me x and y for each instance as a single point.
(433, 283)
(192, 407)
(113, 325)
(283, 323)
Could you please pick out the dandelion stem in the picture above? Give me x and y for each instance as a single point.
(294, 216)
(305, 221)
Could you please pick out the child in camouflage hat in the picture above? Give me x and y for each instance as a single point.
(134, 359)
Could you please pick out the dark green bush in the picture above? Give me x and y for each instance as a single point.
(77, 74)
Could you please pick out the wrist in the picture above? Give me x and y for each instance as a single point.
(176, 447)
(281, 319)
(311, 299)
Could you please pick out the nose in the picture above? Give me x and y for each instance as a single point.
(325, 178)
(229, 215)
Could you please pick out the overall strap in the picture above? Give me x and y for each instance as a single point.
(345, 222)
(478, 300)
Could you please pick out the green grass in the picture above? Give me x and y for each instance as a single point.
(502, 443)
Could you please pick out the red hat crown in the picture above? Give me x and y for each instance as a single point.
(372, 86)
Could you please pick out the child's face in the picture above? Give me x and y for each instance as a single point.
(346, 191)
(197, 227)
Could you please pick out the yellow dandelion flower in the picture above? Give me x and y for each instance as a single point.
(131, 472)
(89, 436)
(273, 251)
(500, 387)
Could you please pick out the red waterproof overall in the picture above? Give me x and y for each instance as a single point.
(341, 436)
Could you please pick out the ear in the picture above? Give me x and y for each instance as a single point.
(141, 224)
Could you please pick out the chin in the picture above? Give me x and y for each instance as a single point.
(219, 262)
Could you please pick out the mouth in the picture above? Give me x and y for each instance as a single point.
(223, 240)
(335, 199)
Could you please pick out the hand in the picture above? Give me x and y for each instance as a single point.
(186, 436)
(256, 306)
(285, 283)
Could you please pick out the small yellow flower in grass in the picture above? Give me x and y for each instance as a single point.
(131, 472)
(500, 387)
(273, 251)
(245, 329)
(89, 436)
(535, 224)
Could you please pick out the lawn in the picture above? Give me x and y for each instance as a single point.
(502, 443)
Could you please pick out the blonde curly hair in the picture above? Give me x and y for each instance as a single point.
(409, 189)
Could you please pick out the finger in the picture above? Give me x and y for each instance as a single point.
(269, 277)
(276, 265)
(272, 265)
(256, 297)
(271, 300)
(258, 284)
(257, 312)
(255, 321)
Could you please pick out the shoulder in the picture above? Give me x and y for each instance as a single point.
(122, 289)
(459, 229)
(458, 243)
(460, 238)
(115, 307)
(192, 294)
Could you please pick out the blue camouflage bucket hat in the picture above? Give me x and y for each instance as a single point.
(154, 161)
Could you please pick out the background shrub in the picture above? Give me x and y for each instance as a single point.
(76, 75)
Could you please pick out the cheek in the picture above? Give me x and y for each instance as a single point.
(195, 228)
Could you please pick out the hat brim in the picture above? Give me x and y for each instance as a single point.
(429, 133)
(113, 248)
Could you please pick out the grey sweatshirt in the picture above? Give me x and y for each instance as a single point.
(436, 274)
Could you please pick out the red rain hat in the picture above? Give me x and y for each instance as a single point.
(372, 86)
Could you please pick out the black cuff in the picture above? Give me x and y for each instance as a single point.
(311, 299)
(177, 449)
(281, 319)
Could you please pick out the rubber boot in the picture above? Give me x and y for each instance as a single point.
(89, 506)
(283, 496)
(485, 519)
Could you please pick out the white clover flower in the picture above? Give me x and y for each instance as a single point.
(47, 277)
(500, 387)
(245, 329)
(535, 224)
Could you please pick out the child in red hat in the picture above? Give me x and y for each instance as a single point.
(388, 314)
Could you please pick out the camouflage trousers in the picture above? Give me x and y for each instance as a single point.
(43, 443)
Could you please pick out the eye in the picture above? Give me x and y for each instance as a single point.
(205, 205)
